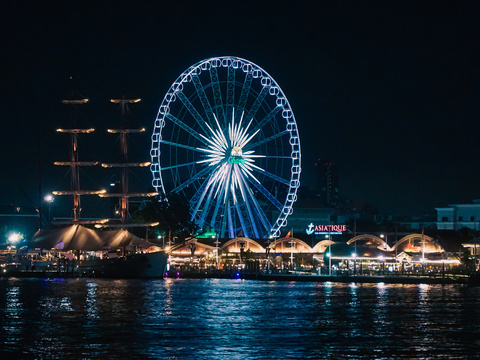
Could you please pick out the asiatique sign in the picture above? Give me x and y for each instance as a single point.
(321, 229)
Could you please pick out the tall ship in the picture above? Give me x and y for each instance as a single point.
(102, 247)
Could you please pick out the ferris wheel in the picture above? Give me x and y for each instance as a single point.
(226, 139)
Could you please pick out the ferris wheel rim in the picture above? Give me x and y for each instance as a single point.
(287, 115)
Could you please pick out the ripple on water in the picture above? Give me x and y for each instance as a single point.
(235, 319)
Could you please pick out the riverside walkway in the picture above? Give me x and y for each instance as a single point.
(307, 277)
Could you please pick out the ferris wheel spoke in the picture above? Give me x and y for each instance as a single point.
(258, 102)
(241, 218)
(257, 208)
(218, 203)
(263, 141)
(203, 98)
(261, 215)
(267, 194)
(192, 110)
(215, 184)
(274, 177)
(197, 198)
(226, 191)
(245, 219)
(202, 215)
(247, 84)
(177, 166)
(183, 126)
(230, 91)
(245, 195)
(279, 157)
(230, 224)
(227, 220)
(267, 118)
(217, 94)
(189, 181)
(207, 205)
(181, 146)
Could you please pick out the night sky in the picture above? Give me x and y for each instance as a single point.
(389, 91)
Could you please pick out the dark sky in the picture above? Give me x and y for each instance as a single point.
(389, 91)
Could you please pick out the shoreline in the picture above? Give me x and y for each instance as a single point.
(386, 279)
(373, 279)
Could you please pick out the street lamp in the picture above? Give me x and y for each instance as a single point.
(329, 263)
(267, 252)
(242, 252)
(354, 256)
(381, 258)
(329, 257)
(49, 200)
(14, 238)
(385, 248)
(386, 241)
(216, 249)
(291, 254)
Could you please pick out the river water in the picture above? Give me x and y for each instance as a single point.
(235, 319)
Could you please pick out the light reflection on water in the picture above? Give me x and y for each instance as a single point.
(235, 319)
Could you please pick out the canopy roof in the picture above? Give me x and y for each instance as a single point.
(78, 237)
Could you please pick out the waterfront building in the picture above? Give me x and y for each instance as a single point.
(472, 254)
(458, 216)
(366, 253)
(412, 223)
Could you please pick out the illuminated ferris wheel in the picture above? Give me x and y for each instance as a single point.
(225, 138)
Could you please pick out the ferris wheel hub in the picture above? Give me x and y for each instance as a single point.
(236, 151)
(236, 156)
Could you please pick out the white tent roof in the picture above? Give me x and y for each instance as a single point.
(78, 237)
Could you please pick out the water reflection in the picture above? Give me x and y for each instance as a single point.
(13, 324)
(235, 319)
(91, 300)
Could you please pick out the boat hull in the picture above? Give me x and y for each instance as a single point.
(143, 266)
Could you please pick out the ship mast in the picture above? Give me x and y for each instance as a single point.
(75, 165)
(124, 166)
